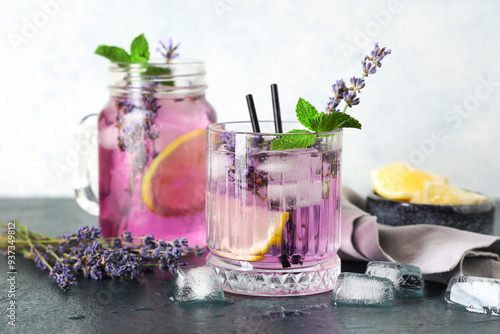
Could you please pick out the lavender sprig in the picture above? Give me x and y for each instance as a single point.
(168, 52)
(342, 92)
(86, 253)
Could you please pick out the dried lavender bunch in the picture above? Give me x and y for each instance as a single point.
(86, 253)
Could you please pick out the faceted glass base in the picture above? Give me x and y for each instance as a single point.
(302, 281)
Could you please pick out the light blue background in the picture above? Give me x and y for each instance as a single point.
(445, 59)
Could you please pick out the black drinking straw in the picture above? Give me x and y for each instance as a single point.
(253, 114)
(276, 109)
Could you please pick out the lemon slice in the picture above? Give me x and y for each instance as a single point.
(399, 181)
(174, 184)
(247, 232)
(442, 194)
(417, 197)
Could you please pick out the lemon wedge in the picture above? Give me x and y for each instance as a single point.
(441, 194)
(399, 181)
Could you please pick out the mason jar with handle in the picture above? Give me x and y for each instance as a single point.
(151, 141)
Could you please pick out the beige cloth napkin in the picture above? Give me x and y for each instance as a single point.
(441, 252)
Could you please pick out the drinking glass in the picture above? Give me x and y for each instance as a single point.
(273, 216)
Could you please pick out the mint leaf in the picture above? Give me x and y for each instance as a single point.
(113, 53)
(155, 71)
(351, 122)
(306, 113)
(330, 122)
(139, 50)
(309, 117)
(290, 142)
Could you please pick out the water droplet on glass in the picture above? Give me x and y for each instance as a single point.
(143, 309)
(76, 317)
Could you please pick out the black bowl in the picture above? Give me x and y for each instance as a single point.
(475, 218)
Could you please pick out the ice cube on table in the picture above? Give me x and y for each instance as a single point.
(362, 289)
(196, 285)
(474, 294)
(407, 279)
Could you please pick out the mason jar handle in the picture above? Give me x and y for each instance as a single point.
(84, 143)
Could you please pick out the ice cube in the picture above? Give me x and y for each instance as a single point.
(407, 279)
(303, 193)
(219, 163)
(362, 289)
(291, 164)
(278, 164)
(474, 294)
(196, 285)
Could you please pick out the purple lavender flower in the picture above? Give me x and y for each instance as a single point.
(120, 264)
(368, 68)
(341, 92)
(228, 138)
(350, 99)
(88, 233)
(357, 84)
(168, 52)
(162, 246)
(149, 240)
(117, 243)
(62, 274)
(127, 236)
(339, 88)
(41, 259)
(332, 105)
(91, 250)
(377, 55)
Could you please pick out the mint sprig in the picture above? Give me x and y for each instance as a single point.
(309, 117)
(139, 53)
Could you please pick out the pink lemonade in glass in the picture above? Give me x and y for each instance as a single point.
(152, 143)
(273, 217)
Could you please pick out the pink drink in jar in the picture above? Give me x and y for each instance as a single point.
(152, 139)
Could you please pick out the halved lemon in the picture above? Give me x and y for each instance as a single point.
(442, 194)
(174, 184)
(399, 181)
(245, 232)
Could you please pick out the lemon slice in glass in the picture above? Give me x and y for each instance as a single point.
(174, 184)
(247, 232)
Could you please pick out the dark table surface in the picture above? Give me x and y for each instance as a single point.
(142, 305)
